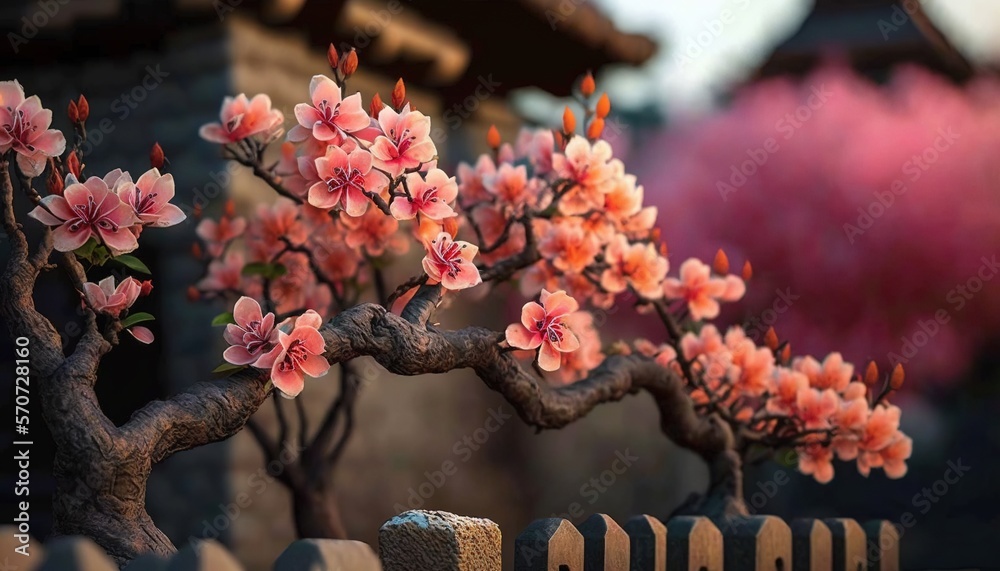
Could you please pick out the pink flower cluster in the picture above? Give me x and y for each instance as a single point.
(113, 210)
(290, 350)
(823, 405)
(24, 127)
(104, 297)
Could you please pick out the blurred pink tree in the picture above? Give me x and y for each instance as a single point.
(874, 211)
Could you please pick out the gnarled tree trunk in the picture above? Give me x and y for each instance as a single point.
(316, 513)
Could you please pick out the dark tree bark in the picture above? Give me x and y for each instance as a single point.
(102, 469)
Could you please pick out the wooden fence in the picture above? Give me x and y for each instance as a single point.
(439, 541)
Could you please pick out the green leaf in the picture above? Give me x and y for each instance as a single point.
(223, 319)
(132, 263)
(228, 368)
(268, 271)
(137, 318)
(87, 249)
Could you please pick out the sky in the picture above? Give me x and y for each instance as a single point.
(700, 53)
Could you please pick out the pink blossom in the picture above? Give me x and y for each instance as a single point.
(543, 326)
(817, 461)
(815, 407)
(834, 373)
(636, 265)
(217, 234)
(785, 388)
(224, 274)
(701, 291)
(296, 355)
(273, 225)
(329, 116)
(242, 118)
(575, 365)
(431, 197)
(566, 243)
(24, 127)
(150, 197)
(104, 297)
(406, 142)
(85, 210)
(253, 334)
(450, 262)
(344, 179)
(376, 233)
(471, 185)
(588, 170)
(512, 186)
(537, 145)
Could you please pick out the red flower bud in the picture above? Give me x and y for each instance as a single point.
(146, 287)
(898, 375)
(587, 85)
(332, 56)
(398, 94)
(73, 164)
(73, 112)
(84, 108)
(196, 250)
(569, 121)
(54, 183)
(350, 63)
(747, 271)
(156, 158)
(230, 208)
(595, 128)
(603, 106)
(376, 106)
(493, 137)
(721, 263)
(193, 294)
(771, 339)
(871, 373)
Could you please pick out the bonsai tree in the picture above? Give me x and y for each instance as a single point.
(556, 214)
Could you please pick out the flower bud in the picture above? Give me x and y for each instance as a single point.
(230, 208)
(569, 121)
(196, 212)
(720, 264)
(771, 339)
(193, 294)
(897, 378)
(376, 106)
(54, 183)
(786, 353)
(196, 250)
(871, 373)
(73, 112)
(587, 85)
(450, 225)
(146, 287)
(84, 108)
(156, 158)
(350, 63)
(747, 271)
(493, 137)
(73, 164)
(595, 128)
(398, 94)
(603, 106)
(332, 56)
